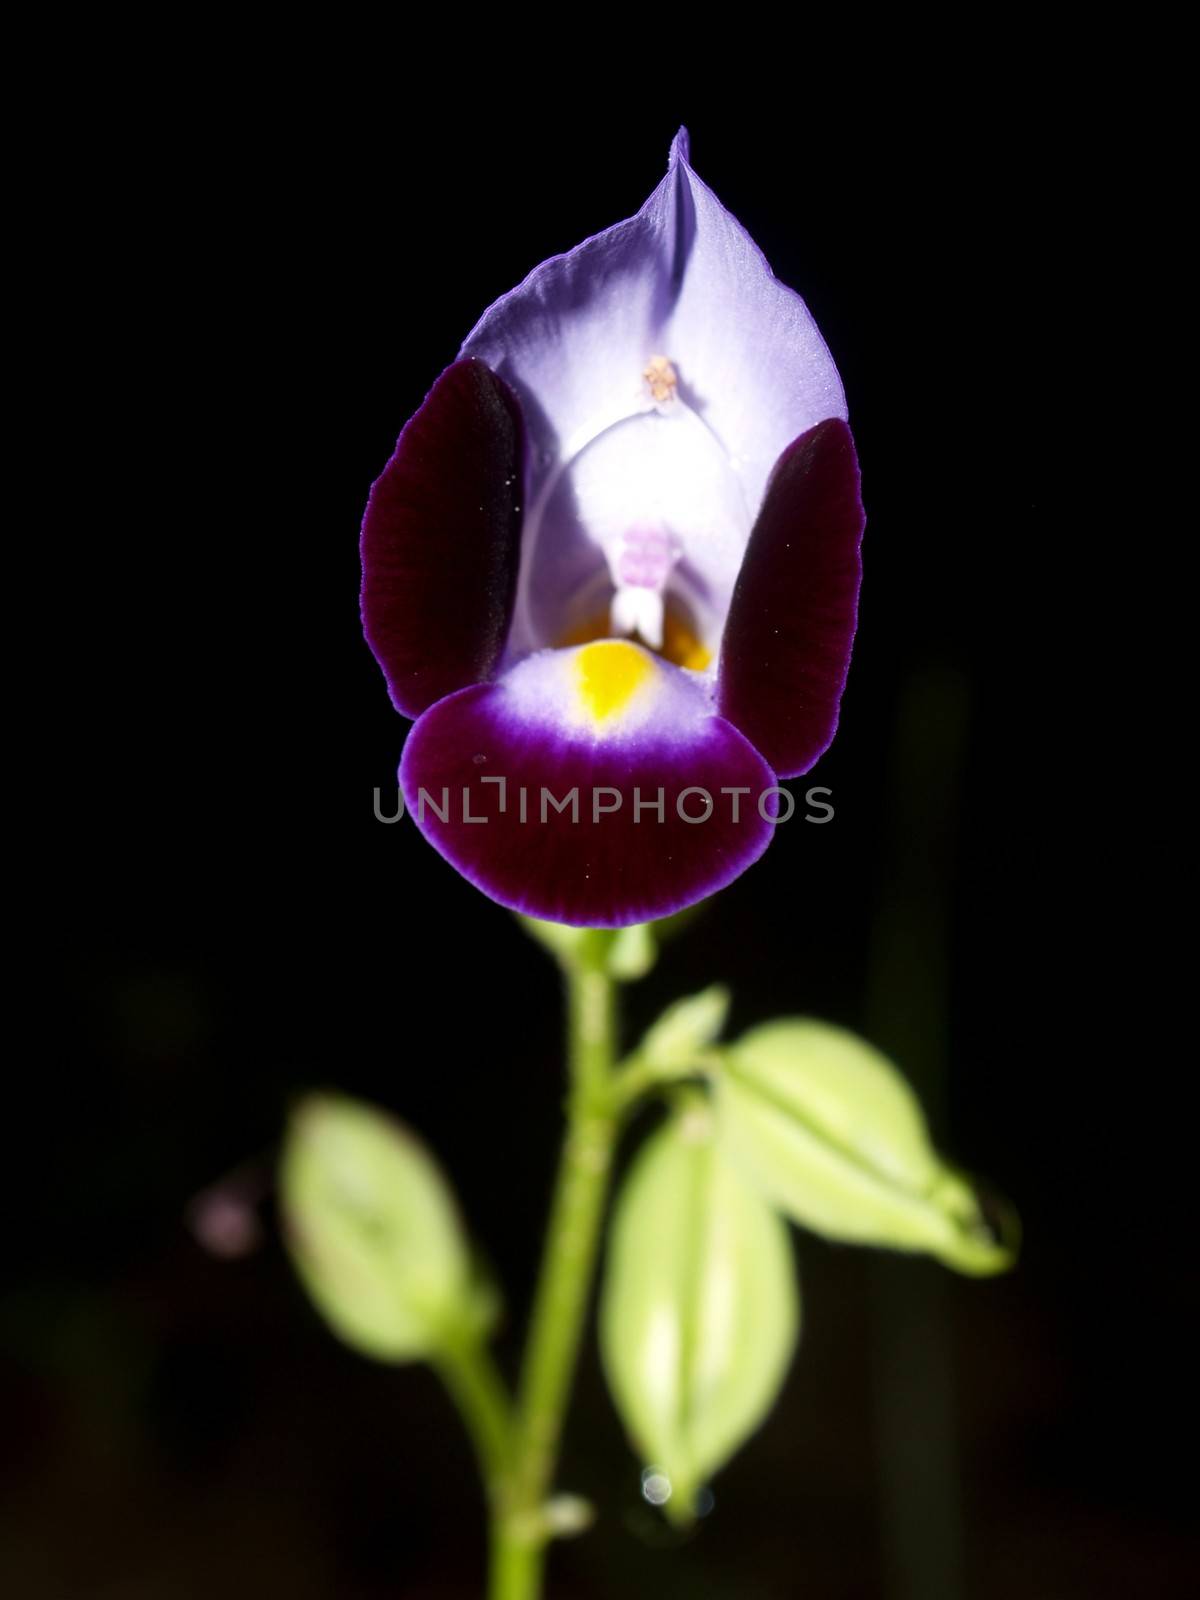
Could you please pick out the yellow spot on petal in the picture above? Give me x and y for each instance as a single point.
(682, 645)
(610, 672)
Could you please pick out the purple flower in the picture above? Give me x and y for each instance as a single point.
(612, 569)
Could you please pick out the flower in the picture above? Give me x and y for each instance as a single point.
(612, 570)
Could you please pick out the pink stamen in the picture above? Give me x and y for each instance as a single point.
(646, 559)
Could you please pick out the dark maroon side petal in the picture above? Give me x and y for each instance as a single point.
(441, 537)
(601, 862)
(786, 647)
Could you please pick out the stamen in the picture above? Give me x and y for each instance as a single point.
(646, 557)
(642, 567)
(661, 379)
(640, 611)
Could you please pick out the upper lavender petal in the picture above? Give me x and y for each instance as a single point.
(591, 786)
(681, 278)
(674, 309)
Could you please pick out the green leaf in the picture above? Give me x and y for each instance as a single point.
(831, 1133)
(700, 1313)
(685, 1028)
(373, 1231)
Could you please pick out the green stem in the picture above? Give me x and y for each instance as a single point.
(636, 1077)
(478, 1391)
(519, 1527)
(517, 1565)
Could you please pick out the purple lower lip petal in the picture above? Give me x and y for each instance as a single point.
(608, 870)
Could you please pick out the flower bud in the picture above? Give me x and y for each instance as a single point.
(373, 1230)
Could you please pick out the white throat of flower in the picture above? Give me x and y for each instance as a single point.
(639, 532)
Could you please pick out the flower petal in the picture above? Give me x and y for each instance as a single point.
(749, 355)
(440, 539)
(574, 338)
(786, 647)
(627, 735)
(628, 490)
(684, 279)
(680, 289)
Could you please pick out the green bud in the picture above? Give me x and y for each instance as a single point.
(686, 1028)
(373, 1231)
(633, 952)
(699, 1313)
(832, 1134)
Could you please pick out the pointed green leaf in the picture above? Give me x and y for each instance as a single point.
(700, 1312)
(685, 1028)
(373, 1230)
(830, 1131)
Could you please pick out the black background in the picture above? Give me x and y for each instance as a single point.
(259, 299)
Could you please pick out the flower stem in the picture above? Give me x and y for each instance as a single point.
(520, 1529)
(637, 1077)
(478, 1391)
